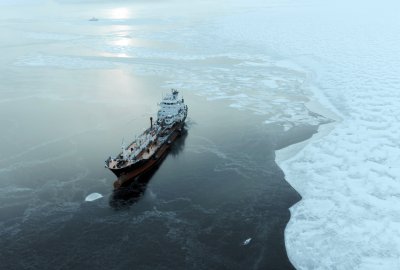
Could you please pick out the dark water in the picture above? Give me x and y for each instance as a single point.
(62, 115)
(218, 187)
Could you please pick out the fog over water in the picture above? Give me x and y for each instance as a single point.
(78, 77)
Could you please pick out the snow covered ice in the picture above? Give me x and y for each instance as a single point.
(349, 217)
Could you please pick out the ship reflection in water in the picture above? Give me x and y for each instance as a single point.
(125, 196)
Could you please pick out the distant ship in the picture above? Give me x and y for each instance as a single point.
(149, 149)
(93, 19)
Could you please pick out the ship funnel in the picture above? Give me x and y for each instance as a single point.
(151, 122)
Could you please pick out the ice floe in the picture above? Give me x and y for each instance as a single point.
(93, 196)
(246, 242)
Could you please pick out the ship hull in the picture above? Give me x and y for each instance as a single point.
(130, 173)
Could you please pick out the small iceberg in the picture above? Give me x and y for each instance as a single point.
(246, 242)
(92, 197)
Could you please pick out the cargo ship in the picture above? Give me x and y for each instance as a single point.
(151, 147)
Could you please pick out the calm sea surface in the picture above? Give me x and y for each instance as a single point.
(64, 108)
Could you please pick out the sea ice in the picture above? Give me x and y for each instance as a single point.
(67, 62)
(349, 179)
(52, 36)
(246, 242)
(270, 83)
(92, 197)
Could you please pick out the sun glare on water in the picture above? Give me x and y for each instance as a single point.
(120, 13)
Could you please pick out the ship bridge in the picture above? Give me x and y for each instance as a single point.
(172, 109)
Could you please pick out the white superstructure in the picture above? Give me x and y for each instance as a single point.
(172, 109)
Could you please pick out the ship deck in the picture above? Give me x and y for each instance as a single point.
(145, 154)
(148, 152)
